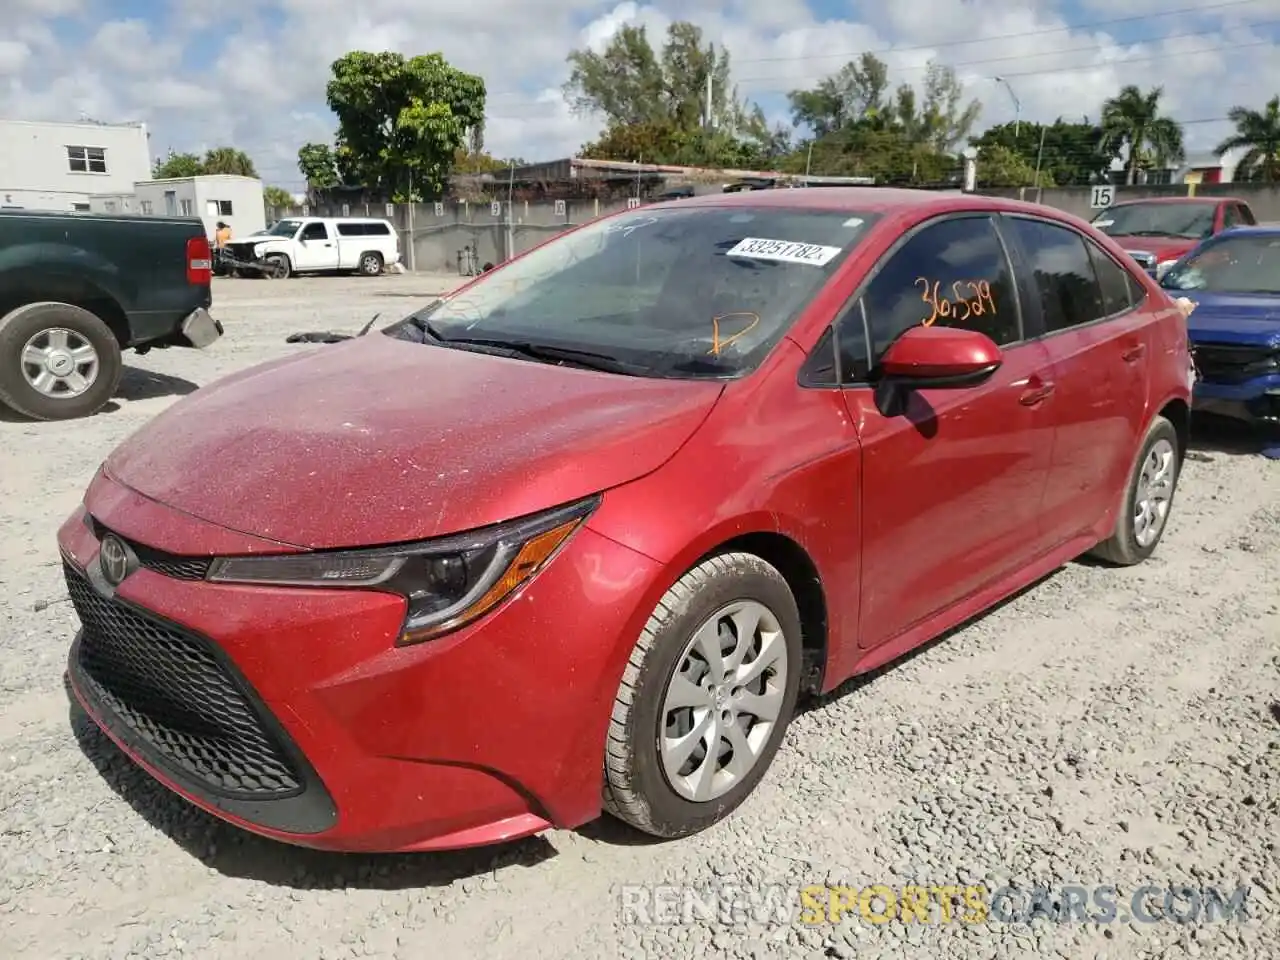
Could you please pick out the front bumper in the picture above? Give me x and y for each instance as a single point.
(290, 712)
(1255, 400)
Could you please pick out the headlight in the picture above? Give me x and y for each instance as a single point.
(447, 582)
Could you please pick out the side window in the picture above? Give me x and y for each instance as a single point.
(378, 229)
(314, 231)
(1113, 280)
(1062, 271)
(1246, 215)
(1230, 216)
(820, 369)
(954, 274)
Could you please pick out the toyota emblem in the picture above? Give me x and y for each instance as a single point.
(114, 560)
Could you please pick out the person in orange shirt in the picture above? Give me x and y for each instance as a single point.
(223, 236)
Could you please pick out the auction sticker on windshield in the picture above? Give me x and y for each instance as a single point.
(784, 251)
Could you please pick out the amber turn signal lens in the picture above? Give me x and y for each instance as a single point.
(531, 558)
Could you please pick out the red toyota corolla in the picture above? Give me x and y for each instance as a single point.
(577, 536)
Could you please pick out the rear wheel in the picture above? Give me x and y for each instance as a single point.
(57, 361)
(1148, 500)
(705, 698)
(370, 264)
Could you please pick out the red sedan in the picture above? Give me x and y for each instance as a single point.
(577, 536)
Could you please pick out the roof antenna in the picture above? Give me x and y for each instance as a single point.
(369, 324)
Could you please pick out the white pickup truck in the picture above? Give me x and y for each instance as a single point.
(316, 244)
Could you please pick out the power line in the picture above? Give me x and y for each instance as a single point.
(1049, 31)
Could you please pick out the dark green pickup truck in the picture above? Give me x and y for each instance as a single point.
(76, 290)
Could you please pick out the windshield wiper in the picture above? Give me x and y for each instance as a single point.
(1149, 233)
(540, 351)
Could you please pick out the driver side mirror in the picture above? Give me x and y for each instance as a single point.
(933, 357)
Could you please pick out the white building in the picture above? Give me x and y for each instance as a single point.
(236, 201)
(59, 166)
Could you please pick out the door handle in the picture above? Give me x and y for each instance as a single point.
(1035, 395)
(1134, 353)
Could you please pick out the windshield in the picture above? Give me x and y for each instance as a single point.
(1193, 221)
(702, 291)
(284, 228)
(1239, 264)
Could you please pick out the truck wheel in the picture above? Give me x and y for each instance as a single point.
(370, 264)
(57, 361)
(279, 266)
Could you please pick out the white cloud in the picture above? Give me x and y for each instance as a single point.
(254, 75)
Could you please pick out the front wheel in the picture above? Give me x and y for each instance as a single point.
(1148, 498)
(705, 698)
(278, 266)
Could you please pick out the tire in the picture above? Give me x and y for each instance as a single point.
(57, 327)
(637, 789)
(370, 264)
(282, 269)
(1159, 454)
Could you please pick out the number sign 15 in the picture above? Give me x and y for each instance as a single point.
(972, 296)
(1102, 197)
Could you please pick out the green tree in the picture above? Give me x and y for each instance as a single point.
(654, 103)
(276, 198)
(1132, 120)
(856, 92)
(998, 166)
(401, 120)
(1258, 133)
(177, 165)
(228, 160)
(1073, 153)
(318, 166)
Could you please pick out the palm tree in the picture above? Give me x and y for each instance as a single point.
(1132, 119)
(1259, 134)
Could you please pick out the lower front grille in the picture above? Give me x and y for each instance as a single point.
(1233, 363)
(170, 688)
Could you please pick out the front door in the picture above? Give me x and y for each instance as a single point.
(315, 249)
(1098, 339)
(951, 484)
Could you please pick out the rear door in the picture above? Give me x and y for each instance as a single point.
(951, 484)
(1098, 338)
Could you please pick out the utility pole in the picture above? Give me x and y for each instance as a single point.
(711, 81)
(511, 211)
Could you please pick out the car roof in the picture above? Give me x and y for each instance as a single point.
(866, 200)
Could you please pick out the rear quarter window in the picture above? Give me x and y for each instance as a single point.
(352, 229)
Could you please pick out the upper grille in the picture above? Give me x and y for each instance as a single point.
(1233, 363)
(171, 689)
(171, 565)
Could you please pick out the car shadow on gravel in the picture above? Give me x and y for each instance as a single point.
(1212, 434)
(233, 852)
(854, 684)
(135, 384)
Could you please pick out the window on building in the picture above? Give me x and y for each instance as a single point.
(224, 208)
(110, 206)
(187, 208)
(146, 207)
(80, 207)
(87, 159)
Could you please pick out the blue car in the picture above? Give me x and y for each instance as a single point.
(1234, 280)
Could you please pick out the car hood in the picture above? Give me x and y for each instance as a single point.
(377, 440)
(1164, 248)
(1233, 318)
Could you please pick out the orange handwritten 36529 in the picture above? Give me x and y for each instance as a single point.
(742, 316)
(971, 298)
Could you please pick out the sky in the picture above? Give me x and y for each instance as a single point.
(252, 75)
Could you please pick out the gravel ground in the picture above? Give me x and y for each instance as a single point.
(1106, 727)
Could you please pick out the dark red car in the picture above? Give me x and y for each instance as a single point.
(577, 536)
(1157, 231)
